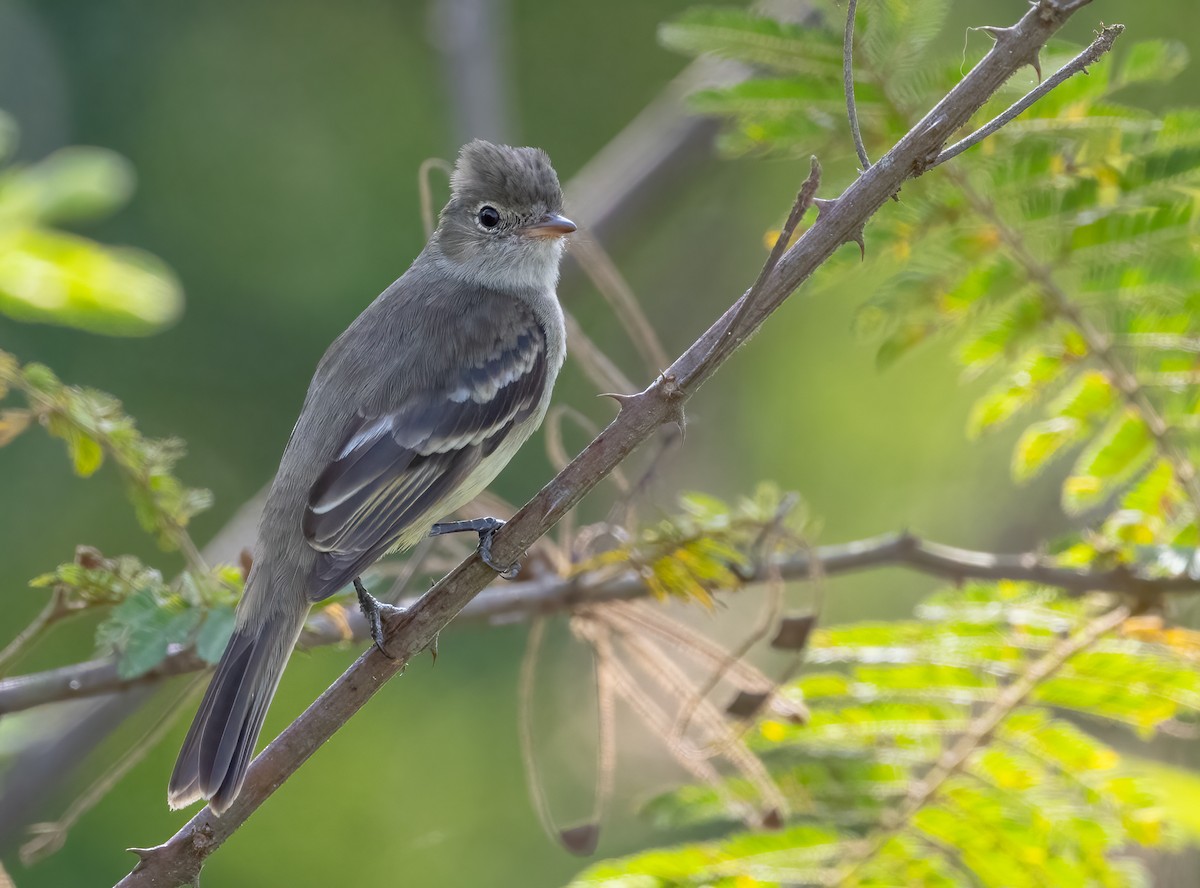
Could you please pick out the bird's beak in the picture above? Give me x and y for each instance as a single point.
(550, 225)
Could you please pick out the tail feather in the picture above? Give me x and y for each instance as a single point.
(217, 750)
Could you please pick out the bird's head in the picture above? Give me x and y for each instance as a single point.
(503, 226)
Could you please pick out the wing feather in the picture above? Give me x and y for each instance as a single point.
(396, 464)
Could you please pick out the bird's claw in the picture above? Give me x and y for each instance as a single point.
(486, 528)
(374, 611)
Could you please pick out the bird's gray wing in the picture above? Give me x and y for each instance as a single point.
(396, 464)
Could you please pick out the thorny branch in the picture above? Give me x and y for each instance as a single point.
(180, 859)
(1078, 65)
(550, 594)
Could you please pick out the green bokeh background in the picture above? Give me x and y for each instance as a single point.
(276, 147)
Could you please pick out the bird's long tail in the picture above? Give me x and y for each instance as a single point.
(212, 763)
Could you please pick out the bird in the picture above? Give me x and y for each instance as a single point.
(412, 412)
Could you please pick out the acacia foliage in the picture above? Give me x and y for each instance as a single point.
(1062, 257)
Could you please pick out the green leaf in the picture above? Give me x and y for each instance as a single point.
(136, 630)
(71, 184)
(1122, 448)
(86, 454)
(50, 277)
(739, 34)
(215, 633)
(1151, 61)
(1035, 373)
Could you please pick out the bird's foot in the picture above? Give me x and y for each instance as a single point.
(486, 528)
(375, 611)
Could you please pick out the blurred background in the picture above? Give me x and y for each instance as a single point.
(276, 149)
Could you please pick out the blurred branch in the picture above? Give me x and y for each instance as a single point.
(603, 272)
(550, 594)
(180, 860)
(472, 37)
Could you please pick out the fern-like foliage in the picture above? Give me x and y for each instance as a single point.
(706, 547)
(955, 748)
(1041, 801)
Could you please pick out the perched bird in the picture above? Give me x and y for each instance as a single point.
(412, 412)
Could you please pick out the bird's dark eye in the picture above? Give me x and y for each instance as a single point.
(489, 217)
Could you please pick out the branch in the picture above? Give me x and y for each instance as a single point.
(553, 594)
(1098, 47)
(180, 859)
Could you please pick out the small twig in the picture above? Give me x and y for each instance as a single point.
(732, 335)
(607, 278)
(425, 190)
(981, 728)
(848, 83)
(773, 607)
(605, 375)
(525, 698)
(56, 609)
(1078, 65)
(664, 672)
(550, 594)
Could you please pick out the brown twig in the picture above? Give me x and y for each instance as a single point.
(180, 859)
(848, 83)
(551, 594)
(56, 609)
(1078, 65)
(607, 278)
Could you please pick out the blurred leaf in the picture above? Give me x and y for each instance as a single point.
(71, 184)
(215, 633)
(1121, 449)
(1151, 61)
(1035, 372)
(12, 423)
(140, 630)
(51, 277)
(735, 33)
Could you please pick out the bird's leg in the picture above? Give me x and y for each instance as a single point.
(373, 609)
(486, 528)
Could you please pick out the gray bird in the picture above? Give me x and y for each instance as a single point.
(412, 412)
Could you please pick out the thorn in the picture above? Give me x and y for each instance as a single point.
(433, 647)
(822, 204)
(856, 237)
(143, 854)
(581, 840)
(622, 400)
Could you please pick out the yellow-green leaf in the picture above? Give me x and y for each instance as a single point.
(1121, 449)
